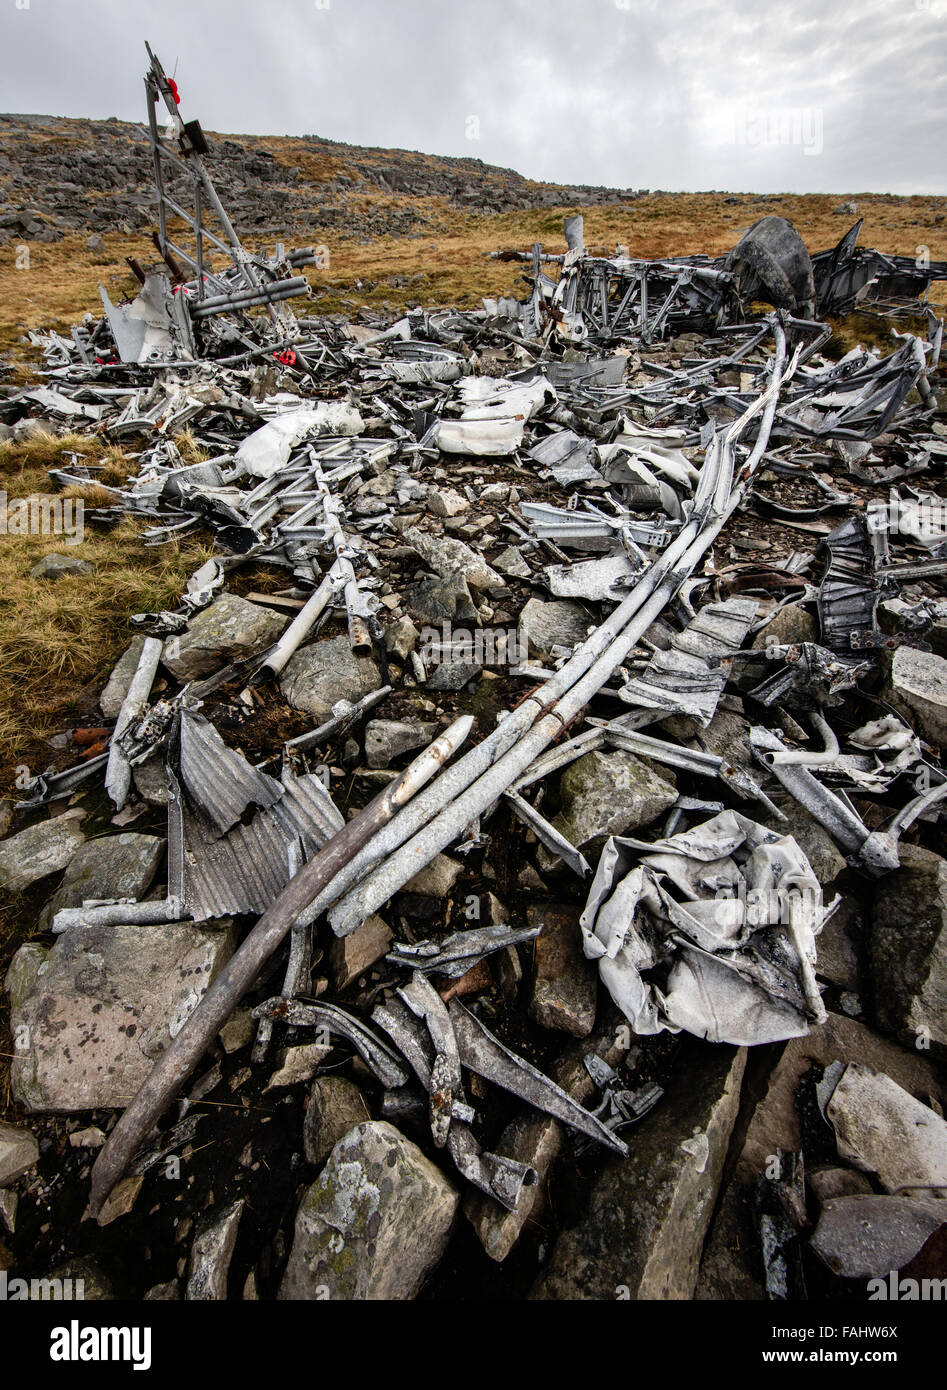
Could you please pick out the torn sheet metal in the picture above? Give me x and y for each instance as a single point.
(142, 329)
(267, 450)
(457, 953)
(726, 915)
(690, 676)
(484, 1054)
(608, 578)
(569, 457)
(219, 782)
(329, 1019)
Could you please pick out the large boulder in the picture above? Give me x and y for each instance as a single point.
(606, 794)
(38, 851)
(907, 948)
(112, 866)
(642, 1234)
(228, 630)
(374, 1224)
(320, 675)
(917, 688)
(90, 1016)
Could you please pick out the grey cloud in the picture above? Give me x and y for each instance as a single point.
(645, 96)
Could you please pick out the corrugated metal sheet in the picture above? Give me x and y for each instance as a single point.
(681, 680)
(218, 781)
(244, 870)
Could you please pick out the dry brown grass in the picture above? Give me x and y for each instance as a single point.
(452, 266)
(59, 638)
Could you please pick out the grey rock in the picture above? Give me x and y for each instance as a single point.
(907, 947)
(446, 502)
(18, 1152)
(116, 687)
(791, 625)
(99, 1007)
(112, 866)
(55, 566)
(606, 794)
(163, 1293)
(559, 623)
(211, 1254)
(350, 956)
(320, 675)
(439, 600)
(565, 983)
(297, 1064)
(511, 563)
(387, 739)
(401, 638)
(34, 428)
(917, 688)
(95, 243)
(151, 780)
(436, 879)
(448, 557)
(39, 850)
(228, 630)
(827, 1182)
(813, 839)
(238, 1031)
(849, 209)
(454, 675)
(336, 1106)
(774, 1129)
(642, 1234)
(374, 1224)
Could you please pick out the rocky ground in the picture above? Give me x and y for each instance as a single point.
(799, 1157)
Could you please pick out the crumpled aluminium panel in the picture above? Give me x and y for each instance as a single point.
(689, 677)
(728, 913)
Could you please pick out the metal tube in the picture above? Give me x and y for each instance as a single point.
(505, 755)
(189, 1045)
(118, 773)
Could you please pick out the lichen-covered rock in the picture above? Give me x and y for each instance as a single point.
(609, 794)
(374, 1224)
(228, 630)
(90, 1016)
(318, 676)
(917, 688)
(39, 850)
(112, 866)
(18, 1152)
(560, 623)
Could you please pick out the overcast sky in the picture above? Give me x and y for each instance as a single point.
(793, 95)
